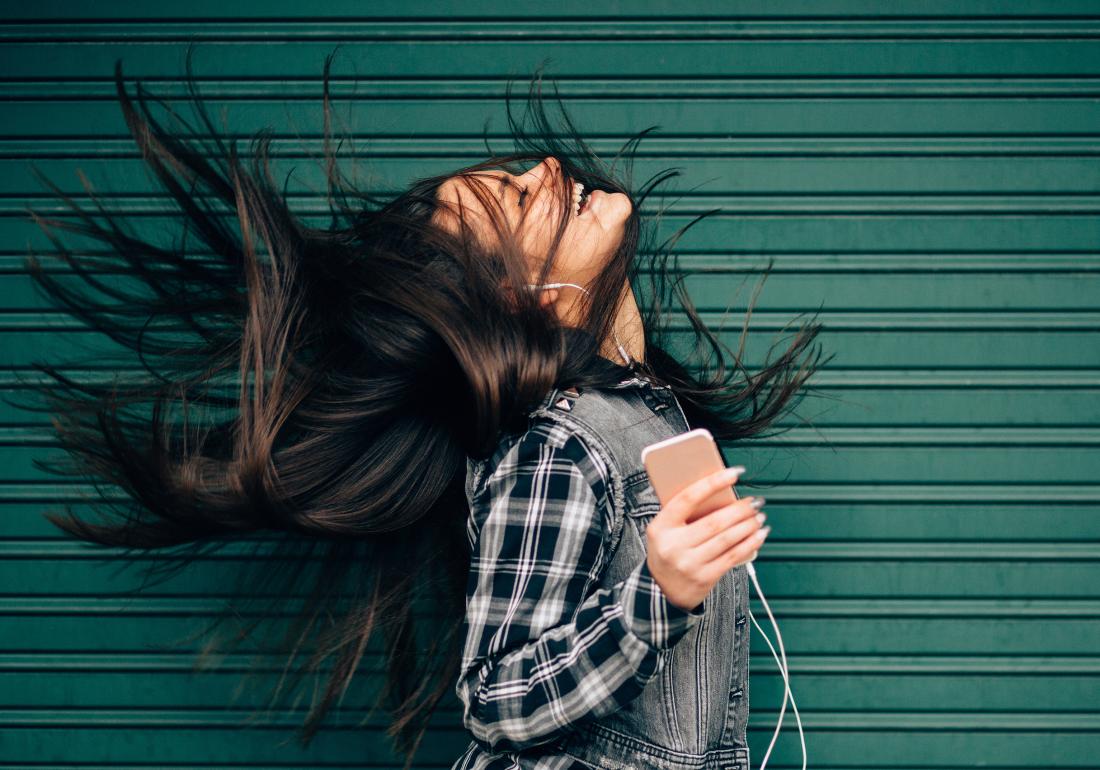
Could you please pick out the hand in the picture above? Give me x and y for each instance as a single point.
(687, 560)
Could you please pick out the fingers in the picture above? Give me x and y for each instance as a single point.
(721, 519)
(688, 499)
(730, 537)
(743, 552)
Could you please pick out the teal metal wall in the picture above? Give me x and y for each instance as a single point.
(927, 172)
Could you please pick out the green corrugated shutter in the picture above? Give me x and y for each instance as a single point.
(927, 171)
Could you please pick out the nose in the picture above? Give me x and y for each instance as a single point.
(551, 169)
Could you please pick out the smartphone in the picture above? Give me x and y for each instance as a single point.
(676, 462)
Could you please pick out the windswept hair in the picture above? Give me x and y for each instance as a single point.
(308, 396)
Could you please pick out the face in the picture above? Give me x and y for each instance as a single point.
(531, 205)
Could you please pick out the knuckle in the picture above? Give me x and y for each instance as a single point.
(662, 550)
(740, 551)
(721, 518)
(653, 542)
(735, 533)
(706, 485)
(714, 525)
(696, 494)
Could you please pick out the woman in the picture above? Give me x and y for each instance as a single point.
(432, 408)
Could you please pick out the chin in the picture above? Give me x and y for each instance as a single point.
(620, 211)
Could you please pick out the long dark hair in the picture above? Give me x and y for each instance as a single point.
(309, 396)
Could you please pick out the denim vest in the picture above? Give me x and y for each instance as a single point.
(693, 713)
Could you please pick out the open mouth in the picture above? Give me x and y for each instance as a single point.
(581, 198)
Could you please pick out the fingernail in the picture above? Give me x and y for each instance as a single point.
(758, 502)
(735, 470)
(763, 533)
(761, 518)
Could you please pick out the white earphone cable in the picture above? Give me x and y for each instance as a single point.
(622, 351)
(783, 669)
(752, 573)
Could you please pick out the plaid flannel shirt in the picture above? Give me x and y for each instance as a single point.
(544, 648)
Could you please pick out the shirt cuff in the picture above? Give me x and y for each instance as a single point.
(649, 615)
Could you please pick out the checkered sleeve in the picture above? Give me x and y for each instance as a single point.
(543, 650)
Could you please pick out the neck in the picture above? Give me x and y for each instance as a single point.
(628, 330)
(627, 324)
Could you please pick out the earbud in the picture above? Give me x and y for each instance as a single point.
(554, 286)
(622, 351)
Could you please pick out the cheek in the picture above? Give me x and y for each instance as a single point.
(584, 248)
(541, 224)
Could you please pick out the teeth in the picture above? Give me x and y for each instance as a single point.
(578, 193)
